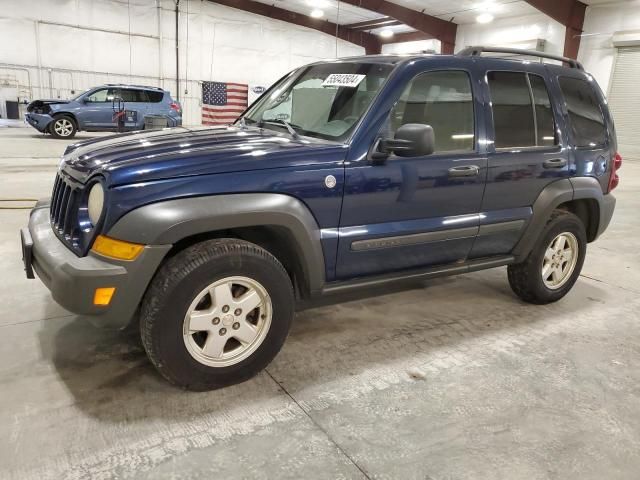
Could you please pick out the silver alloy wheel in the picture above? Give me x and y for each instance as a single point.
(63, 127)
(559, 260)
(227, 321)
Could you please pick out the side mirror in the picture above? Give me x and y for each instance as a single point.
(86, 100)
(410, 140)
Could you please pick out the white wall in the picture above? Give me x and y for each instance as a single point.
(412, 47)
(596, 47)
(514, 32)
(70, 45)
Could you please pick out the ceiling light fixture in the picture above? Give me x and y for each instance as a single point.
(386, 33)
(484, 18)
(317, 13)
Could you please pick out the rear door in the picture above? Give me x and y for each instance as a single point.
(527, 150)
(136, 104)
(414, 212)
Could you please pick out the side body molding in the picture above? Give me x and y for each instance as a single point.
(556, 194)
(170, 221)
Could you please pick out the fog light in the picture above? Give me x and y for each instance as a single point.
(118, 249)
(103, 296)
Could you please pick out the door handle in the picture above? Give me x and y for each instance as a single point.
(465, 171)
(555, 163)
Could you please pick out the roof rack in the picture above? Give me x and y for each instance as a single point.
(131, 85)
(477, 51)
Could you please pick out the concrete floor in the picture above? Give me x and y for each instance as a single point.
(405, 384)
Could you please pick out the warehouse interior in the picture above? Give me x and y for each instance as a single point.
(448, 378)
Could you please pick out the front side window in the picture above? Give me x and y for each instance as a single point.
(587, 122)
(522, 113)
(324, 100)
(102, 95)
(98, 96)
(442, 100)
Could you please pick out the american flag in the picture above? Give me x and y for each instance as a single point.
(222, 102)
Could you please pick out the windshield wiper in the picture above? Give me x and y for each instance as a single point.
(281, 122)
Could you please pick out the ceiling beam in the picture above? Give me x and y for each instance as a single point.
(370, 42)
(570, 13)
(376, 23)
(436, 27)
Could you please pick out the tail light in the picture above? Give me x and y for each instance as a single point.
(614, 179)
(175, 106)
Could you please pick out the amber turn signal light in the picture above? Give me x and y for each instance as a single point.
(102, 296)
(118, 249)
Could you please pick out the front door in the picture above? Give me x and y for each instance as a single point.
(97, 113)
(414, 212)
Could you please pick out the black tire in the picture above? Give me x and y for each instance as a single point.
(69, 124)
(526, 279)
(175, 286)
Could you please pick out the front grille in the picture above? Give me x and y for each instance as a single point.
(65, 203)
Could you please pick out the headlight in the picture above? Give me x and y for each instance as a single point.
(95, 203)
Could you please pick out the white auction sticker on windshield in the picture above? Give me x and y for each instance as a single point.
(343, 80)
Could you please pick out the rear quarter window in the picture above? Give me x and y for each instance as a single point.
(155, 96)
(585, 114)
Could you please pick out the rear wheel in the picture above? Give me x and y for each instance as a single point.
(62, 126)
(554, 264)
(216, 314)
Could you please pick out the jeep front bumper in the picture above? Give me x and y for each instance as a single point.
(73, 280)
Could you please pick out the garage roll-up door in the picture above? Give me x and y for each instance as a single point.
(624, 101)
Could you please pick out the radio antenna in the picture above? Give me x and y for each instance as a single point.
(337, 27)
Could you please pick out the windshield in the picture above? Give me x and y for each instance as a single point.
(324, 101)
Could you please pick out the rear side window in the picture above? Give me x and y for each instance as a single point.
(522, 114)
(585, 115)
(133, 95)
(545, 125)
(444, 101)
(155, 96)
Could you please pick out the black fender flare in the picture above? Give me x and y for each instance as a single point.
(551, 197)
(170, 221)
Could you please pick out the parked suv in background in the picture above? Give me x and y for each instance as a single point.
(344, 174)
(94, 110)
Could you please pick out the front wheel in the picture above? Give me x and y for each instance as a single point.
(62, 127)
(216, 314)
(554, 264)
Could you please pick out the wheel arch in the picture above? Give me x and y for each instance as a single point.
(588, 211)
(67, 114)
(581, 195)
(279, 223)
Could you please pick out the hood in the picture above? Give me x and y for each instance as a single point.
(179, 152)
(42, 106)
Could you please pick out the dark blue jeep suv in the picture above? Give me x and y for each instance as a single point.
(344, 174)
